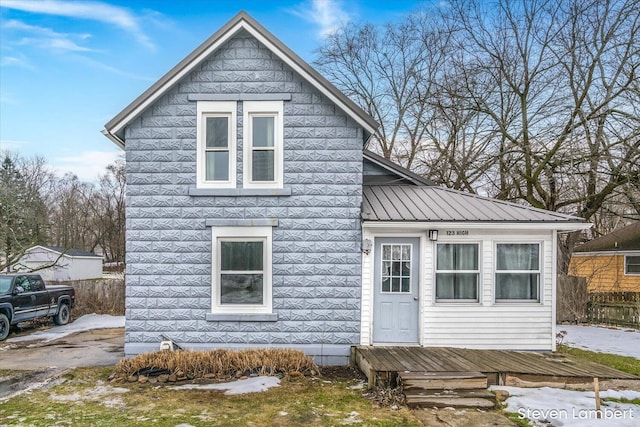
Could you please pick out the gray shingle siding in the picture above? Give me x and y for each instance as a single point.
(316, 245)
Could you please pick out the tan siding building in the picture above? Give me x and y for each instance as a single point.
(610, 263)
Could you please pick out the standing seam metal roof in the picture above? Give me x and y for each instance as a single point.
(433, 203)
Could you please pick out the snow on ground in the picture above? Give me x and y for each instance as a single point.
(250, 385)
(84, 323)
(625, 342)
(567, 408)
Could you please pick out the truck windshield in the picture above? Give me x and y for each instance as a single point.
(5, 284)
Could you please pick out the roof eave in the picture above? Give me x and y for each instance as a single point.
(396, 168)
(520, 225)
(114, 138)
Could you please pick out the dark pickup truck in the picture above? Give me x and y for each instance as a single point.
(25, 297)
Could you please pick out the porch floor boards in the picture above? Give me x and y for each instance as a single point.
(387, 362)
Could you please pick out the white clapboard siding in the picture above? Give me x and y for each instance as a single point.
(487, 324)
(483, 324)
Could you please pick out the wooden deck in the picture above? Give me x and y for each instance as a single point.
(384, 363)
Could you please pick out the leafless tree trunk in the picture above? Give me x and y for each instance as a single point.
(536, 102)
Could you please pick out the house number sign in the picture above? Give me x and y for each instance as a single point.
(457, 232)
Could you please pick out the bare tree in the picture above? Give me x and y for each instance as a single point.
(23, 218)
(109, 212)
(533, 101)
(563, 74)
(71, 216)
(388, 71)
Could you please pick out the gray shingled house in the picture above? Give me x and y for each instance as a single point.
(257, 218)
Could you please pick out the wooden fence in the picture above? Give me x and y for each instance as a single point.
(571, 299)
(614, 308)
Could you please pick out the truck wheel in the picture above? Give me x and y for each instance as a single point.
(4, 326)
(62, 318)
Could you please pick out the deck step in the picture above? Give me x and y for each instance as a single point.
(450, 402)
(443, 380)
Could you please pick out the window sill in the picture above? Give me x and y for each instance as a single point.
(518, 302)
(457, 302)
(238, 192)
(241, 317)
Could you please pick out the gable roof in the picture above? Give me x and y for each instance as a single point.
(623, 239)
(440, 204)
(114, 129)
(396, 169)
(71, 252)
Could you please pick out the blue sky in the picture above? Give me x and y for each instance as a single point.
(68, 66)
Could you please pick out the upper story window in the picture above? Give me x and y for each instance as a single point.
(632, 265)
(517, 272)
(216, 144)
(457, 272)
(263, 144)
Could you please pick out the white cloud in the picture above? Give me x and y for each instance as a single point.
(46, 38)
(92, 10)
(101, 66)
(328, 15)
(18, 60)
(87, 165)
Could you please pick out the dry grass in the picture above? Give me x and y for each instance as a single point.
(99, 296)
(86, 399)
(220, 363)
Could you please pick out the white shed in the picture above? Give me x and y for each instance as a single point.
(70, 264)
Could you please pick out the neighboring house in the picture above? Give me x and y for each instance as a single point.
(256, 218)
(67, 264)
(610, 263)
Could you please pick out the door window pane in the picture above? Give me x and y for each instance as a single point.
(396, 268)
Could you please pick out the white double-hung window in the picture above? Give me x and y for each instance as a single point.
(517, 275)
(457, 272)
(241, 269)
(263, 144)
(216, 144)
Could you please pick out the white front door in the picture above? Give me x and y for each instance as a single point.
(395, 296)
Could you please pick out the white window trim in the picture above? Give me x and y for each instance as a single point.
(215, 109)
(275, 108)
(539, 271)
(626, 273)
(238, 233)
(436, 271)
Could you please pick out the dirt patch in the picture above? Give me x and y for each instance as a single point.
(341, 373)
(19, 382)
